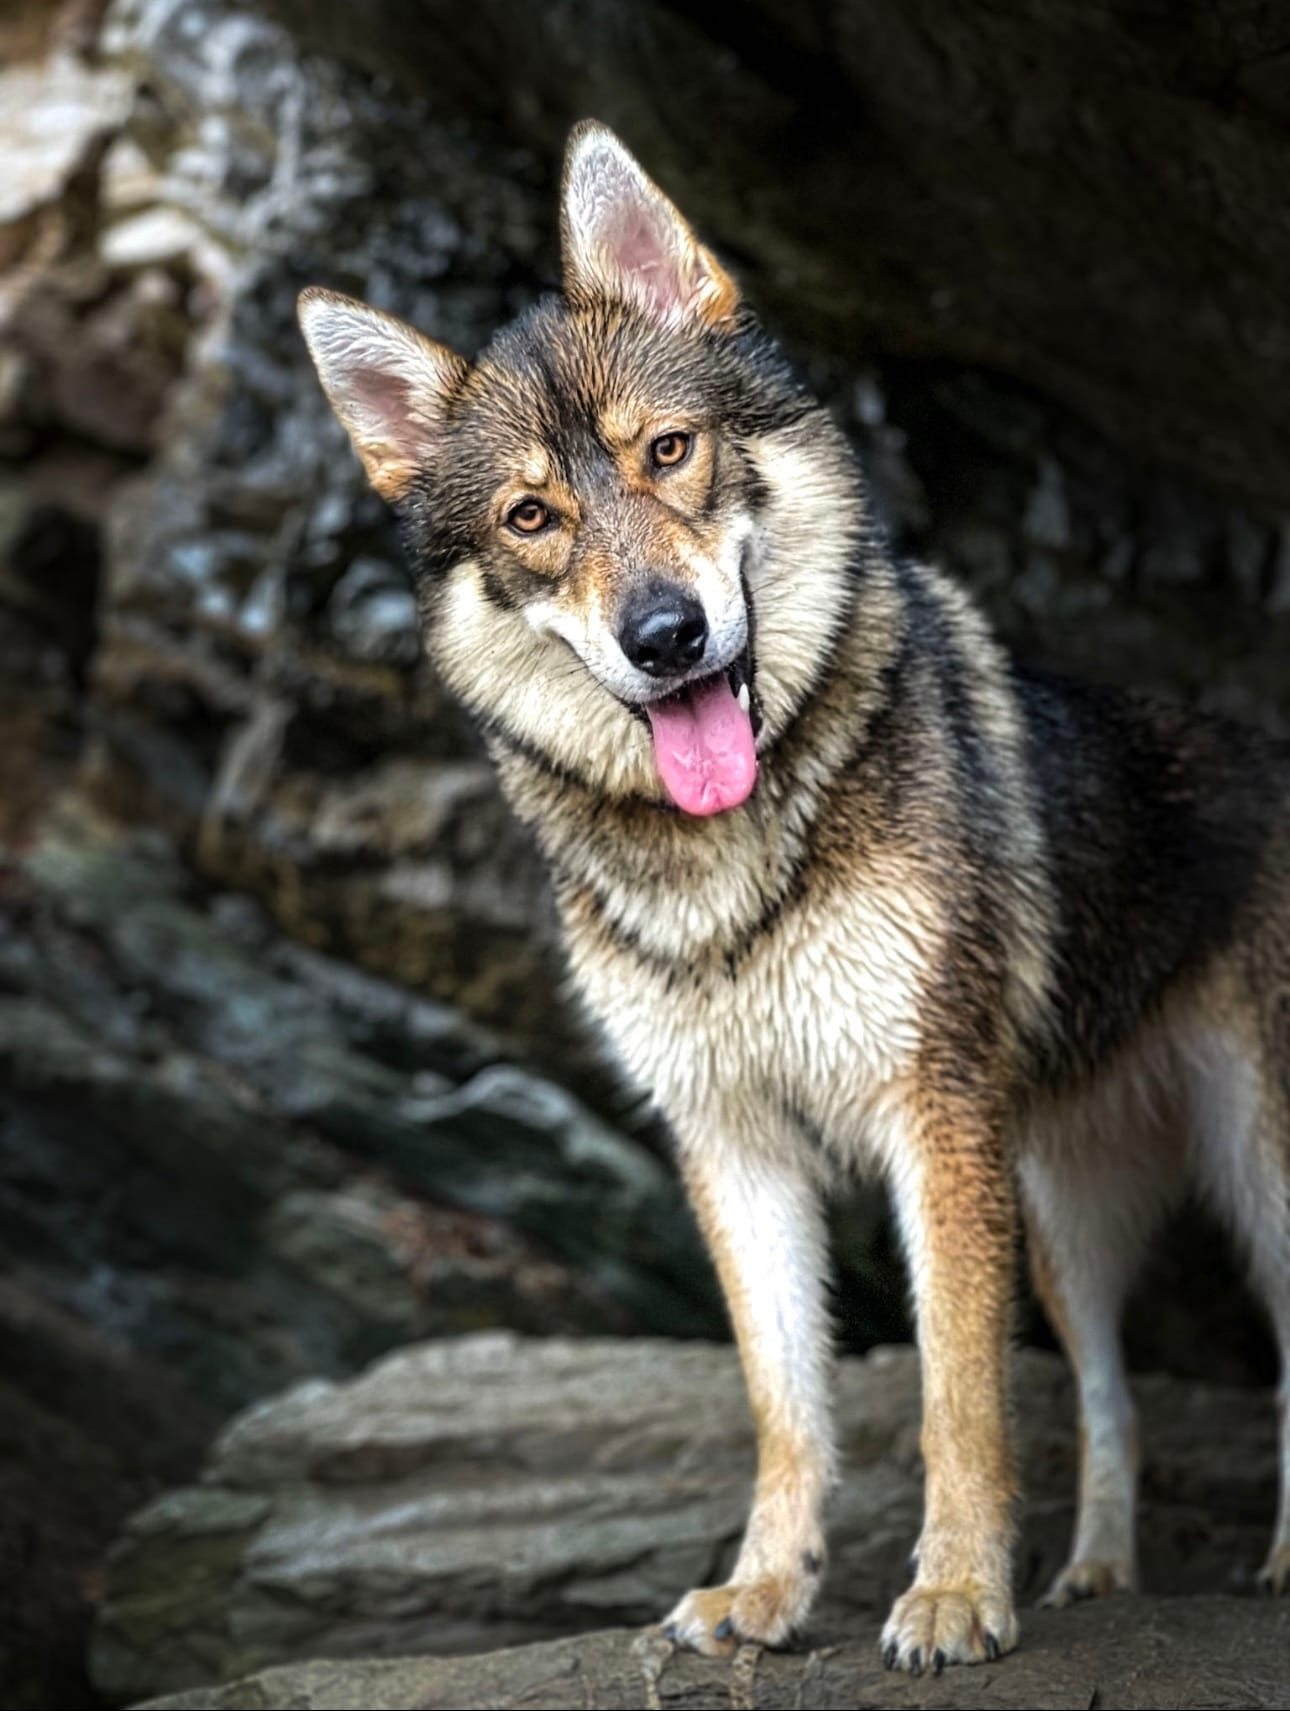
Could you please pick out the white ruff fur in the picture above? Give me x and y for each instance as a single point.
(822, 1018)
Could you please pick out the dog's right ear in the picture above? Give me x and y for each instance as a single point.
(388, 384)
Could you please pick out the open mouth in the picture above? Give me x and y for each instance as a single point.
(705, 739)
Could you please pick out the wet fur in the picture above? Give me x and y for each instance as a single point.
(1020, 946)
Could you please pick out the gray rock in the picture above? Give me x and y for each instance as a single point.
(373, 612)
(217, 1153)
(501, 1142)
(256, 1063)
(1047, 516)
(490, 1491)
(1142, 1653)
(52, 114)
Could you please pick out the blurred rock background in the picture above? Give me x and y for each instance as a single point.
(286, 1076)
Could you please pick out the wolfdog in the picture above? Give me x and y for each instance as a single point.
(846, 887)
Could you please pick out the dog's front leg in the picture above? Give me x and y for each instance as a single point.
(761, 1217)
(955, 1200)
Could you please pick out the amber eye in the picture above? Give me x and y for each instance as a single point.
(670, 449)
(529, 517)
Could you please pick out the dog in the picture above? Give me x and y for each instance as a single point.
(845, 886)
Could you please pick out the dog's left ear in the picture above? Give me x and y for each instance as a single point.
(623, 238)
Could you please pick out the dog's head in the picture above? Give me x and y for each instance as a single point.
(615, 513)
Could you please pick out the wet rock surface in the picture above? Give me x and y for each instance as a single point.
(493, 1491)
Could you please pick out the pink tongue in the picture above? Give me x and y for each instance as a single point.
(703, 747)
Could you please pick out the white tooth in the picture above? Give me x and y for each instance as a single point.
(742, 697)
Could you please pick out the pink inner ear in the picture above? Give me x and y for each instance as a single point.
(384, 396)
(643, 253)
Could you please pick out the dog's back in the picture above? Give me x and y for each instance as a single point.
(1166, 835)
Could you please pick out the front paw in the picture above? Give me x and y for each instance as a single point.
(931, 1626)
(765, 1611)
(1089, 1577)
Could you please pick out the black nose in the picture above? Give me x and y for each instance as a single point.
(663, 630)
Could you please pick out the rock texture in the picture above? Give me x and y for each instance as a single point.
(314, 1106)
(1143, 1653)
(259, 686)
(491, 1491)
(1086, 200)
(227, 1163)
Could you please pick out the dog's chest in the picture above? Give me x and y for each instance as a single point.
(817, 1017)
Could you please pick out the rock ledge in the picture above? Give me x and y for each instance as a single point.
(491, 1491)
(1127, 1652)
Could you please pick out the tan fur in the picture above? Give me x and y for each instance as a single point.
(958, 1217)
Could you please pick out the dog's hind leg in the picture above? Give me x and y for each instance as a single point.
(1272, 1279)
(1091, 1199)
(1241, 1091)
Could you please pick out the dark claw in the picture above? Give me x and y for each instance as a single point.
(724, 1629)
(916, 1661)
(890, 1655)
(938, 1661)
(911, 1567)
(669, 1633)
(811, 1562)
(993, 1650)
